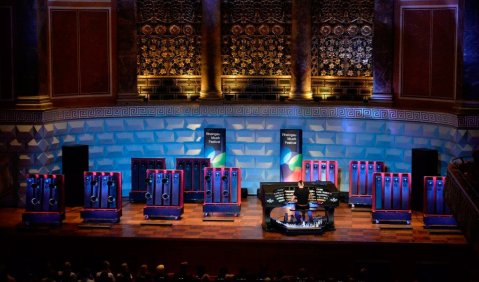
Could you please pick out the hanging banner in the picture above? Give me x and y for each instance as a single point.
(291, 154)
(215, 146)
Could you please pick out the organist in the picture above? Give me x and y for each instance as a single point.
(301, 199)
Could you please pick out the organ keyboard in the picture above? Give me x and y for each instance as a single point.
(324, 196)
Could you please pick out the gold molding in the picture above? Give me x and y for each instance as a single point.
(40, 102)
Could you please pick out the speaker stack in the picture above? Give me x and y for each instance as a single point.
(74, 164)
(436, 212)
(44, 199)
(320, 170)
(193, 169)
(102, 201)
(138, 176)
(392, 197)
(424, 163)
(361, 181)
(164, 196)
(222, 191)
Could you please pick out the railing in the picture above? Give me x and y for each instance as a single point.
(463, 200)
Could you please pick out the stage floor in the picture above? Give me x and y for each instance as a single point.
(351, 226)
(401, 251)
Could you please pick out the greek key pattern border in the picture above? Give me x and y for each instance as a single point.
(300, 111)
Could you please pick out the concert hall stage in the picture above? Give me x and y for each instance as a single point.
(240, 242)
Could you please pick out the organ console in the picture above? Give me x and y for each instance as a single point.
(324, 195)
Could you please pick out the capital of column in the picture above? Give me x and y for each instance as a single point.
(40, 102)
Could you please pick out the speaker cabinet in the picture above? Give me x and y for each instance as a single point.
(74, 164)
(436, 212)
(222, 190)
(139, 166)
(44, 201)
(164, 196)
(193, 172)
(424, 163)
(391, 197)
(361, 181)
(102, 197)
(320, 170)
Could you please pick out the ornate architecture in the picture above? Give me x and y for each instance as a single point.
(169, 34)
(342, 38)
(256, 37)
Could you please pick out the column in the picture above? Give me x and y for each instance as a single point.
(383, 52)
(211, 51)
(127, 52)
(301, 51)
(31, 55)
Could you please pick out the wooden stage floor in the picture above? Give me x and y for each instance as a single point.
(351, 226)
(236, 241)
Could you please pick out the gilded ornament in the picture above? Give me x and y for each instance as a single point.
(366, 30)
(188, 29)
(147, 29)
(340, 46)
(338, 30)
(256, 38)
(250, 29)
(263, 29)
(174, 30)
(236, 29)
(160, 29)
(353, 30)
(325, 30)
(277, 29)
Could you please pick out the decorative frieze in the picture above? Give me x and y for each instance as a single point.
(239, 110)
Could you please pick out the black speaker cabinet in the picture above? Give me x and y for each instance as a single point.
(424, 163)
(74, 164)
(138, 176)
(193, 176)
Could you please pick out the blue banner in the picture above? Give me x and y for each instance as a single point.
(215, 146)
(291, 154)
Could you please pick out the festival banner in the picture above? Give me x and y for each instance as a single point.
(291, 154)
(215, 146)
